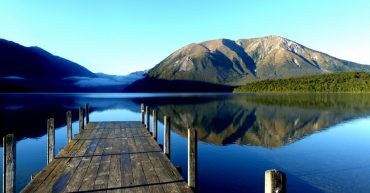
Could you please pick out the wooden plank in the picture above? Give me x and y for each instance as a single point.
(101, 181)
(78, 174)
(114, 182)
(149, 171)
(163, 161)
(136, 168)
(92, 170)
(165, 175)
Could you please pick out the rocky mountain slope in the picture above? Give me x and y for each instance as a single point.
(229, 62)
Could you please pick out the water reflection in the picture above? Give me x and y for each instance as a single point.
(254, 122)
(268, 120)
(25, 115)
(265, 120)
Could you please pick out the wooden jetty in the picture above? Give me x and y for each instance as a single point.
(110, 157)
(114, 156)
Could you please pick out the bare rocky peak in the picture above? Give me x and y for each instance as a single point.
(224, 61)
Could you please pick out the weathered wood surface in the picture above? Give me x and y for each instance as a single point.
(87, 113)
(155, 124)
(81, 119)
(167, 135)
(275, 181)
(192, 158)
(142, 108)
(69, 126)
(110, 157)
(51, 140)
(147, 118)
(9, 166)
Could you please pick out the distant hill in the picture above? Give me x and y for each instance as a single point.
(36, 63)
(32, 69)
(336, 82)
(228, 62)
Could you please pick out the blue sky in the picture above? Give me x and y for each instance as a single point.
(119, 37)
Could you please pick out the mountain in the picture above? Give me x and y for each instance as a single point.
(228, 62)
(36, 63)
(32, 69)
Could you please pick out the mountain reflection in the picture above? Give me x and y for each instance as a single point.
(266, 120)
(262, 120)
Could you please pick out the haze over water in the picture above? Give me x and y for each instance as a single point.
(321, 141)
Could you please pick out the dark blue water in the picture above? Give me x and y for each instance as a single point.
(321, 141)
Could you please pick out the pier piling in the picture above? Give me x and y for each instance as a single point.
(81, 119)
(155, 124)
(51, 140)
(142, 113)
(167, 135)
(69, 126)
(192, 158)
(87, 111)
(147, 118)
(275, 181)
(9, 161)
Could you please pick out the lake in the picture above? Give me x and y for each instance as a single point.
(321, 141)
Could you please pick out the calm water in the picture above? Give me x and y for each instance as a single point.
(321, 141)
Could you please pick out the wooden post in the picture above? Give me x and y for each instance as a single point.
(142, 113)
(167, 135)
(51, 139)
(69, 126)
(147, 118)
(9, 163)
(155, 124)
(87, 111)
(275, 181)
(81, 118)
(192, 158)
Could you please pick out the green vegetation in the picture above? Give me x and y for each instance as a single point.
(336, 82)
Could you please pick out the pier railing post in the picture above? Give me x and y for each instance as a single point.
(155, 124)
(192, 158)
(147, 118)
(142, 113)
(167, 135)
(81, 118)
(51, 139)
(69, 126)
(87, 111)
(275, 181)
(9, 163)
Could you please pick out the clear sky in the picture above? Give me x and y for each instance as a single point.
(119, 37)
